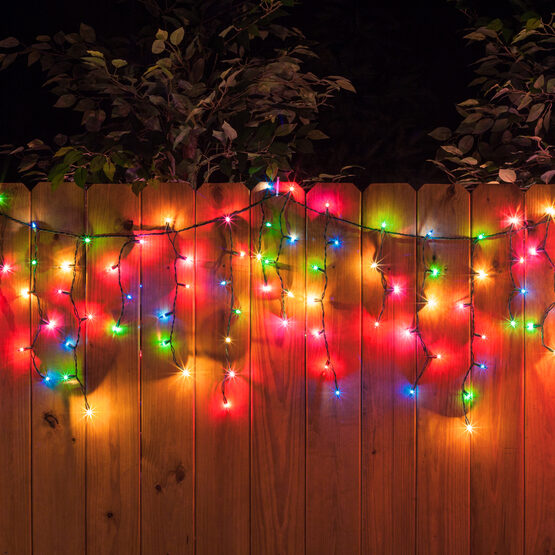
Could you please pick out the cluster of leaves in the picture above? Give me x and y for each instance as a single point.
(505, 132)
(215, 88)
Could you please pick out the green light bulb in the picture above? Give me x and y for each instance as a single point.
(237, 311)
(384, 225)
(513, 323)
(268, 224)
(33, 262)
(86, 240)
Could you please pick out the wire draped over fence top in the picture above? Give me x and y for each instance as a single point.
(271, 192)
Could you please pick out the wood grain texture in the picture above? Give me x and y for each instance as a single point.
(333, 424)
(15, 386)
(540, 381)
(222, 435)
(497, 477)
(58, 426)
(167, 414)
(113, 449)
(278, 385)
(443, 446)
(389, 364)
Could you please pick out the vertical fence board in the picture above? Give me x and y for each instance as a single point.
(443, 447)
(15, 437)
(167, 481)
(388, 411)
(497, 445)
(222, 435)
(540, 381)
(278, 382)
(113, 455)
(58, 426)
(333, 423)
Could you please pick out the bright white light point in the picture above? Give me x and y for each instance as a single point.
(187, 286)
(141, 241)
(285, 322)
(51, 324)
(407, 332)
(438, 355)
(514, 220)
(90, 316)
(231, 374)
(290, 294)
(482, 274)
(316, 333)
(227, 219)
(89, 413)
(533, 251)
(6, 268)
(24, 292)
(228, 339)
(65, 266)
(550, 211)
(258, 256)
(291, 188)
(168, 220)
(226, 404)
(241, 254)
(484, 336)
(469, 428)
(374, 265)
(293, 237)
(185, 372)
(60, 291)
(432, 302)
(376, 324)
(460, 305)
(396, 289)
(266, 288)
(521, 259)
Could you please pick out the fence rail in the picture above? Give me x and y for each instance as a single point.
(290, 381)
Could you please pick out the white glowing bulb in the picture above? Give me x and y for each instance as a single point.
(65, 266)
(24, 292)
(469, 428)
(374, 265)
(228, 339)
(290, 294)
(266, 287)
(231, 374)
(396, 289)
(185, 372)
(482, 274)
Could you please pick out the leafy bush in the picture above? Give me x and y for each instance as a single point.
(218, 89)
(505, 132)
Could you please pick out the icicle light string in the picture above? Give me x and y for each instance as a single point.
(420, 303)
(329, 366)
(229, 373)
(169, 231)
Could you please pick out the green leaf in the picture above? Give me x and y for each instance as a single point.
(535, 112)
(10, 42)
(158, 46)
(65, 101)
(475, 36)
(285, 129)
(80, 176)
(509, 176)
(87, 33)
(63, 151)
(440, 133)
(109, 169)
(229, 132)
(117, 63)
(317, 135)
(176, 37)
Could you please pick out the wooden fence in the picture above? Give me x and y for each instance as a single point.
(288, 467)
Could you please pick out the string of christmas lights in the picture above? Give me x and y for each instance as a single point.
(328, 366)
(429, 271)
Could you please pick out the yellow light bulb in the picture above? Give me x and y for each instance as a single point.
(228, 339)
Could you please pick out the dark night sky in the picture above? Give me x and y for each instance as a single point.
(408, 62)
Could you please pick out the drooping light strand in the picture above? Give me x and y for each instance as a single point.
(328, 366)
(421, 299)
